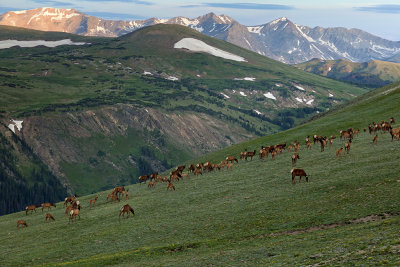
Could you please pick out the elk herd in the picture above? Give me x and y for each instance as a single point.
(73, 207)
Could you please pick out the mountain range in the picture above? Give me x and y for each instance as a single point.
(280, 39)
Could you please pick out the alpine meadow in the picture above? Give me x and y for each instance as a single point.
(164, 145)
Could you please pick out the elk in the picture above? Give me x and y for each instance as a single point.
(93, 201)
(273, 155)
(392, 121)
(347, 146)
(151, 184)
(264, 153)
(339, 152)
(69, 200)
(323, 144)
(250, 154)
(295, 157)
(68, 209)
(49, 217)
(143, 178)
(72, 214)
(21, 222)
(48, 205)
(229, 166)
(31, 208)
(375, 139)
(232, 159)
(300, 173)
(198, 171)
(394, 132)
(309, 144)
(170, 186)
(125, 209)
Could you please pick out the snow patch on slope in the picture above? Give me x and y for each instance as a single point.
(270, 96)
(200, 46)
(10, 43)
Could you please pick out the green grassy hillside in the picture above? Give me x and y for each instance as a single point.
(348, 213)
(374, 73)
(82, 104)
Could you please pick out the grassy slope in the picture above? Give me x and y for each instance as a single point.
(227, 217)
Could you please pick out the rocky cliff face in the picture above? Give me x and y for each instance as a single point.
(98, 149)
(280, 39)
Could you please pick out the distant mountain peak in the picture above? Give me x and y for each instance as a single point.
(280, 39)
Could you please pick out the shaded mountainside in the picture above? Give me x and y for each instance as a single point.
(24, 178)
(281, 39)
(101, 114)
(373, 73)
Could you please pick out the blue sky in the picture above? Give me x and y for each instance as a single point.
(379, 17)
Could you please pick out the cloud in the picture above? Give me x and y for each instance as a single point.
(115, 16)
(52, 3)
(255, 6)
(380, 9)
(139, 2)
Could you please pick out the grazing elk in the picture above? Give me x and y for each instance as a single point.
(151, 184)
(93, 201)
(339, 152)
(198, 171)
(170, 186)
(21, 222)
(347, 146)
(375, 139)
(273, 155)
(125, 209)
(323, 144)
(300, 173)
(143, 178)
(229, 166)
(264, 152)
(232, 159)
(48, 205)
(69, 199)
(394, 132)
(250, 154)
(67, 210)
(295, 157)
(49, 217)
(31, 208)
(73, 214)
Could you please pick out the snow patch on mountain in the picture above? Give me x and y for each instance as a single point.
(250, 79)
(270, 96)
(226, 96)
(200, 46)
(15, 123)
(10, 43)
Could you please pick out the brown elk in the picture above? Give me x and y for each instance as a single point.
(73, 214)
(296, 147)
(151, 184)
(170, 186)
(31, 208)
(49, 217)
(392, 121)
(250, 154)
(339, 152)
(375, 139)
(264, 152)
(300, 173)
(21, 222)
(346, 134)
(347, 146)
(127, 194)
(229, 166)
(295, 157)
(68, 209)
(192, 168)
(273, 155)
(125, 209)
(143, 178)
(394, 132)
(69, 200)
(323, 144)
(48, 205)
(309, 144)
(118, 191)
(93, 201)
(198, 171)
(232, 159)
